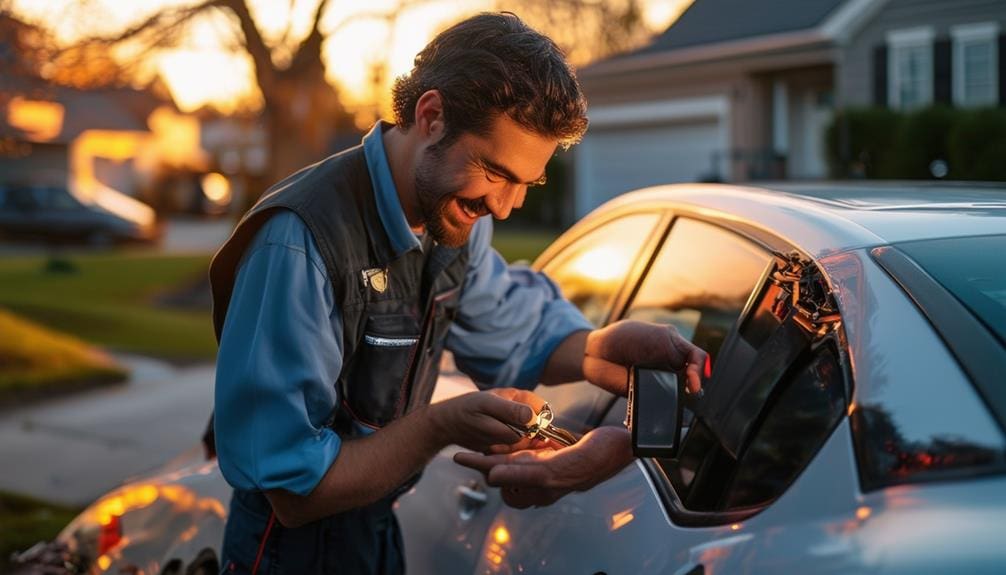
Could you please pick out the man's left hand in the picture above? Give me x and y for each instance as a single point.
(542, 476)
(612, 350)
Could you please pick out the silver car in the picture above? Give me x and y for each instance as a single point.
(853, 423)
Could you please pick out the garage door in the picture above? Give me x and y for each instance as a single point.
(614, 160)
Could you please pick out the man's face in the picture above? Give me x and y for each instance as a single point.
(478, 175)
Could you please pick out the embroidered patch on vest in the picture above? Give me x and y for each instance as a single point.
(376, 278)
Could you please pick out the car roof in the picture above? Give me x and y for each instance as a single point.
(822, 218)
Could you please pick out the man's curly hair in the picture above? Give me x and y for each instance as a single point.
(490, 64)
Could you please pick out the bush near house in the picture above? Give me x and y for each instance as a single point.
(880, 143)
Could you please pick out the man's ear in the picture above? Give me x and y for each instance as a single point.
(430, 116)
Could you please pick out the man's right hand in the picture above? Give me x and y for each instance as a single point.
(479, 420)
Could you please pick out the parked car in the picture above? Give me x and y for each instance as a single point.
(97, 215)
(854, 421)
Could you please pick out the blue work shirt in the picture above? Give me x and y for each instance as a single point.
(281, 347)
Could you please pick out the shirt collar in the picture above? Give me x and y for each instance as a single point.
(389, 207)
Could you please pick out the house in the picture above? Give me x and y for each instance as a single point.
(740, 90)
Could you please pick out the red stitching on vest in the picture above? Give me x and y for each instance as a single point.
(261, 546)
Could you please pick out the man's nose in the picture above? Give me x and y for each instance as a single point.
(501, 203)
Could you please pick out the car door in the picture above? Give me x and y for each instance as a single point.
(714, 286)
(446, 517)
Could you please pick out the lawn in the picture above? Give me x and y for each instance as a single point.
(36, 361)
(25, 521)
(515, 245)
(110, 300)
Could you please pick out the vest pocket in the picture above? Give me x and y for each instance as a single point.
(377, 382)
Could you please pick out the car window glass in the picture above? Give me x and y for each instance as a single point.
(794, 428)
(57, 199)
(22, 198)
(592, 268)
(962, 266)
(699, 282)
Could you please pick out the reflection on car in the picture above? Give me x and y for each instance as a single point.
(95, 215)
(854, 420)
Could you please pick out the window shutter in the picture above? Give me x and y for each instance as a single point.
(1002, 70)
(943, 71)
(880, 76)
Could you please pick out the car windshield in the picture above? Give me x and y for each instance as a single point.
(973, 269)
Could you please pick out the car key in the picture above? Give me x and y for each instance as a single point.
(542, 427)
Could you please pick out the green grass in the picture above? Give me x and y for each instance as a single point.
(522, 245)
(108, 299)
(35, 360)
(25, 521)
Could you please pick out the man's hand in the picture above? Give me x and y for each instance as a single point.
(612, 350)
(542, 476)
(478, 420)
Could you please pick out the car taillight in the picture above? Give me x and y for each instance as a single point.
(110, 534)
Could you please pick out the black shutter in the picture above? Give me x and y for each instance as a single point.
(1002, 70)
(880, 76)
(943, 72)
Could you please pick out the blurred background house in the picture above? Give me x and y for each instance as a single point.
(739, 90)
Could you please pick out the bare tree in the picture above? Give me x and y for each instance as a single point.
(302, 110)
(585, 29)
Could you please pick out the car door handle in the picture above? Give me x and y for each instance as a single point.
(471, 498)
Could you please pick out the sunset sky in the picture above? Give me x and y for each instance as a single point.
(203, 70)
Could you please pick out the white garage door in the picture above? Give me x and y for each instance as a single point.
(614, 160)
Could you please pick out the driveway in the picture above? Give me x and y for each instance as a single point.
(73, 449)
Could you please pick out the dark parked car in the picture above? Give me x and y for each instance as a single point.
(854, 421)
(98, 215)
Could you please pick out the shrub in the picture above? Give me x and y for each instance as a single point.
(887, 144)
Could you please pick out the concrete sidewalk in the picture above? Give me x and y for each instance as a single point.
(73, 449)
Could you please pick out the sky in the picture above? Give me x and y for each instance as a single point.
(203, 71)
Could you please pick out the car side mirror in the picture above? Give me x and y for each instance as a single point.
(655, 412)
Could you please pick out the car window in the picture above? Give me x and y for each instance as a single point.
(58, 199)
(700, 282)
(591, 270)
(22, 199)
(794, 428)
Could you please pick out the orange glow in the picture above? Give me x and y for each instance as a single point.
(217, 188)
(735, 527)
(620, 519)
(104, 562)
(852, 408)
(41, 121)
(176, 139)
(863, 513)
(603, 264)
(501, 535)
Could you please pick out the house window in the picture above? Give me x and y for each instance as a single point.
(976, 65)
(910, 61)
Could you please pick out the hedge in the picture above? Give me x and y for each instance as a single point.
(887, 144)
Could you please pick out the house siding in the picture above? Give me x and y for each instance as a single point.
(856, 76)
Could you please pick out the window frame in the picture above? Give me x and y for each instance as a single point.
(647, 252)
(899, 42)
(962, 36)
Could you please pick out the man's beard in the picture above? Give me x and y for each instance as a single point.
(435, 198)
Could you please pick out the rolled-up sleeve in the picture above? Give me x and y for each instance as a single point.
(510, 318)
(279, 358)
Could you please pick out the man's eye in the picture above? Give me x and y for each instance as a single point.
(493, 177)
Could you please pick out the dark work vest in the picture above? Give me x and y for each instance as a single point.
(396, 309)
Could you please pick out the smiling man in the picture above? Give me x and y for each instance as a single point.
(338, 292)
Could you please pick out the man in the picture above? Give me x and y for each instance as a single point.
(337, 293)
